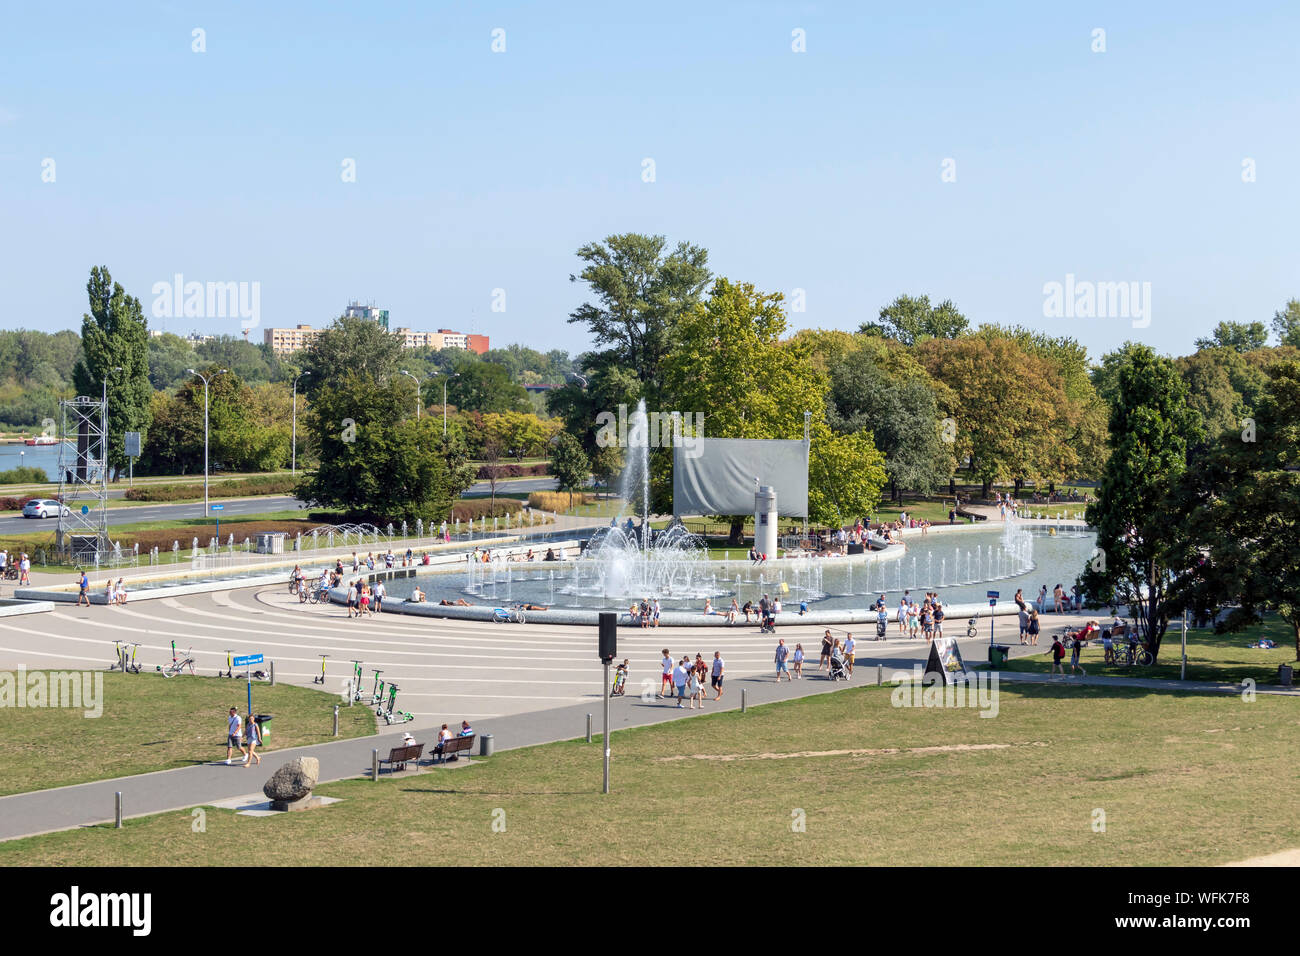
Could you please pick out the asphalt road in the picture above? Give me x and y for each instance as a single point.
(233, 509)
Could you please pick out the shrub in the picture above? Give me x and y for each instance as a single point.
(476, 508)
(260, 485)
(557, 501)
(25, 475)
(11, 503)
(513, 471)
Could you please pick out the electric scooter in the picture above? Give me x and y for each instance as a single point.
(230, 666)
(321, 680)
(377, 695)
(389, 713)
(357, 693)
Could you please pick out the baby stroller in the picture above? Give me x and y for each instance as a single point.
(881, 627)
(768, 625)
(838, 670)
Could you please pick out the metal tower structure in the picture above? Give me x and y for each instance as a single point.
(83, 479)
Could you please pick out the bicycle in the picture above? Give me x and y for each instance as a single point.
(178, 664)
(513, 616)
(319, 594)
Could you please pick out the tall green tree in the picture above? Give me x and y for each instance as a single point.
(374, 461)
(1233, 523)
(912, 319)
(352, 349)
(1286, 324)
(1151, 431)
(569, 464)
(1238, 336)
(640, 292)
(115, 335)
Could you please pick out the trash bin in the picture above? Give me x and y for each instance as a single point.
(998, 655)
(262, 720)
(1284, 674)
(485, 743)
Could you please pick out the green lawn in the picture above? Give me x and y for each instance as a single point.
(154, 723)
(1210, 656)
(1180, 779)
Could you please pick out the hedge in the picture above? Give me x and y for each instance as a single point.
(513, 471)
(263, 485)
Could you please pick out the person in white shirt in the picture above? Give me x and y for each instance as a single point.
(849, 645)
(234, 735)
(719, 671)
(666, 679)
(679, 681)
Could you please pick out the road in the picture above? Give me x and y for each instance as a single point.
(234, 508)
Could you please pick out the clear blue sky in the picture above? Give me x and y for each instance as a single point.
(818, 170)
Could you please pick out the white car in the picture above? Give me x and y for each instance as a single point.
(44, 508)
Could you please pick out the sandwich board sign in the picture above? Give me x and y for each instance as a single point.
(945, 662)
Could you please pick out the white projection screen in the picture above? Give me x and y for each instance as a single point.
(716, 477)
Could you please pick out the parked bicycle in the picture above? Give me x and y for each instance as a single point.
(178, 663)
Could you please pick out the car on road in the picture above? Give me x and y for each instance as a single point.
(44, 508)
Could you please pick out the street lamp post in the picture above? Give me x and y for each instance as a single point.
(206, 512)
(444, 401)
(294, 453)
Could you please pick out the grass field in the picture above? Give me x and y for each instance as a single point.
(1180, 779)
(1210, 656)
(153, 723)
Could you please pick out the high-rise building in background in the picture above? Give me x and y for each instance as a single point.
(356, 310)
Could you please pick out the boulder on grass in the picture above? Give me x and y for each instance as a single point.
(293, 781)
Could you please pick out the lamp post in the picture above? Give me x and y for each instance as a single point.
(294, 453)
(444, 401)
(419, 399)
(205, 433)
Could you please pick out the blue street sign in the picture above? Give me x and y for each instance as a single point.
(250, 659)
(993, 594)
(218, 507)
(85, 509)
(993, 602)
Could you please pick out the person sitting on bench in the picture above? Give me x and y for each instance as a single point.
(444, 735)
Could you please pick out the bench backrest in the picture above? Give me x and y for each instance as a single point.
(409, 752)
(457, 744)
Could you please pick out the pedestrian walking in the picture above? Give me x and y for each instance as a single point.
(666, 680)
(679, 681)
(849, 645)
(825, 659)
(83, 584)
(234, 735)
(253, 737)
(782, 652)
(719, 672)
(798, 662)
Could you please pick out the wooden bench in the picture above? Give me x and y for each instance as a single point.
(454, 746)
(398, 756)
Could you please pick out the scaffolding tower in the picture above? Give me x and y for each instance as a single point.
(83, 480)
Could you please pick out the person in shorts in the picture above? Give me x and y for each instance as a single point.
(666, 679)
(234, 735)
(1057, 650)
(680, 678)
(83, 584)
(798, 662)
(782, 652)
(849, 645)
(719, 671)
(938, 619)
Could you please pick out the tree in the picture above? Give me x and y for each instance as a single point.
(640, 293)
(1010, 416)
(1286, 324)
(569, 464)
(1234, 517)
(901, 416)
(481, 387)
(1151, 429)
(845, 476)
(910, 320)
(1238, 336)
(115, 335)
(731, 366)
(351, 349)
(373, 460)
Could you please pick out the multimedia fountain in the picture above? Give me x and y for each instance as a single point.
(628, 562)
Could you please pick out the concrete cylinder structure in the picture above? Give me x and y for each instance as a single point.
(765, 520)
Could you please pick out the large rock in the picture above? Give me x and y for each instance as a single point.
(294, 780)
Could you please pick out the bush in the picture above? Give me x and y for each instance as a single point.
(513, 471)
(11, 503)
(261, 485)
(557, 501)
(476, 508)
(25, 475)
